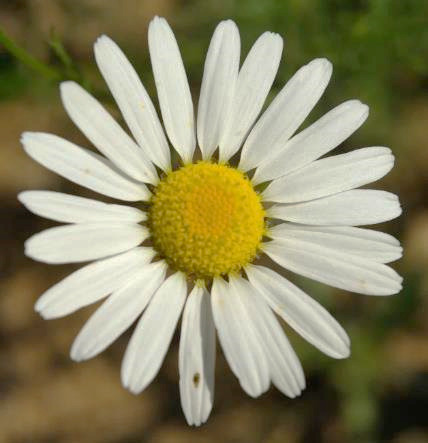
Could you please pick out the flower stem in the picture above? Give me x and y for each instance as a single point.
(27, 59)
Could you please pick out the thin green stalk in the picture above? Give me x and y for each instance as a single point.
(71, 69)
(27, 59)
(61, 53)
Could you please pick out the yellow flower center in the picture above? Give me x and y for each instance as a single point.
(206, 220)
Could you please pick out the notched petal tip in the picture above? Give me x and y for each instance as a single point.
(81, 351)
(399, 208)
(103, 38)
(345, 354)
(321, 64)
(341, 351)
(391, 292)
(272, 37)
(253, 392)
(102, 45)
(270, 34)
(124, 374)
(301, 387)
(229, 22)
(278, 40)
(276, 36)
(158, 21)
(355, 103)
(26, 137)
(44, 312)
(129, 385)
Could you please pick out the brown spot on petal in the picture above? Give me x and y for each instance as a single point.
(196, 378)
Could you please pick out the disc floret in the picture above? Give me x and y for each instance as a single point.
(206, 220)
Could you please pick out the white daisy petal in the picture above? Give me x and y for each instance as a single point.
(331, 175)
(92, 282)
(314, 141)
(286, 113)
(134, 102)
(72, 209)
(84, 242)
(196, 359)
(238, 339)
(284, 366)
(353, 208)
(300, 311)
(365, 243)
(118, 312)
(334, 268)
(254, 82)
(218, 85)
(105, 133)
(153, 334)
(81, 166)
(173, 89)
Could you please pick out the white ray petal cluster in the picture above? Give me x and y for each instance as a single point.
(314, 141)
(285, 370)
(331, 175)
(105, 133)
(118, 312)
(239, 340)
(254, 81)
(286, 113)
(82, 167)
(152, 336)
(133, 101)
(313, 205)
(92, 282)
(300, 311)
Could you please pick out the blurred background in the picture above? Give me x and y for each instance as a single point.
(379, 49)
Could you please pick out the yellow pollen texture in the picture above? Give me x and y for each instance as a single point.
(206, 220)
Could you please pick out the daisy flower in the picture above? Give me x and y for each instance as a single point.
(191, 241)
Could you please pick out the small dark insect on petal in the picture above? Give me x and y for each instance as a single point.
(196, 378)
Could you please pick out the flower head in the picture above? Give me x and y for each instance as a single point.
(207, 220)
(193, 238)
